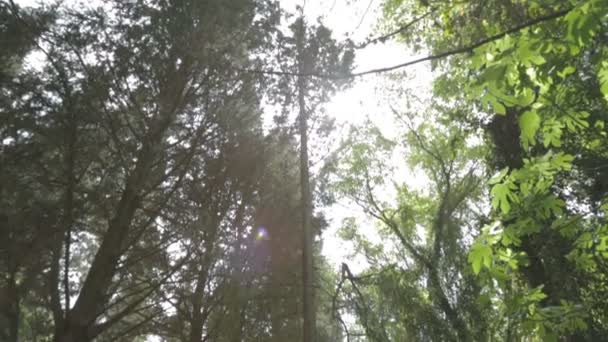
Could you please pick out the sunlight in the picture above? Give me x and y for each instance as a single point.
(351, 170)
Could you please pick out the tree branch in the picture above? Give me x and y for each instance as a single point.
(401, 29)
(457, 51)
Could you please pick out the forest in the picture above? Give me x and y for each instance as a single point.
(182, 171)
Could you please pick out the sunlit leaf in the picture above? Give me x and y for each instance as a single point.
(498, 177)
(500, 197)
(529, 123)
(481, 254)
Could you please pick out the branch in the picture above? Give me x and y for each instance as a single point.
(403, 28)
(97, 329)
(145, 319)
(421, 143)
(380, 215)
(346, 273)
(457, 51)
(468, 48)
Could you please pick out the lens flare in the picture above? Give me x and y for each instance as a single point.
(261, 233)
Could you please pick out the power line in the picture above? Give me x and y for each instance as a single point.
(457, 51)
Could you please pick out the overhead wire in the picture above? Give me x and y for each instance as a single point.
(447, 53)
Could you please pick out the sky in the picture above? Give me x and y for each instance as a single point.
(367, 98)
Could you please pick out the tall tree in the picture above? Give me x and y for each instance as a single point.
(308, 299)
(419, 286)
(316, 52)
(124, 99)
(525, 63)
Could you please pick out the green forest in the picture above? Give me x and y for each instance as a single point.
(179, 170)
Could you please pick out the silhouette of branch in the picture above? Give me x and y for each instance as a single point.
(441, 55)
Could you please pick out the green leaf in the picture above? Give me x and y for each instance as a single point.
(583, 23)
(552, 132)
(510, 238)
(602, 76)
(497, 178)
(529, 54)
(576, 120)
(526, 97)
(500, 194)
(563, 161)
(529, 123)
(585, 240)
(481, 254)
(494, 73)
(536, 294)
(566, 71)
(498, 107)
(537, 59)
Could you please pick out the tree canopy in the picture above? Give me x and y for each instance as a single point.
(161, 177)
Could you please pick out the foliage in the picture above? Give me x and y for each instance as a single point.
(141, 194)
(418, 286)
(543, 86)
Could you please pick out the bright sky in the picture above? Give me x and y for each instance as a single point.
(367, 98)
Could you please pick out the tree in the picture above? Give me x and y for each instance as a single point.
(315, 52)
(530, 82)
(420, 287)
(126, 97)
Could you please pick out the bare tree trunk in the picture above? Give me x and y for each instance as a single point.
(93, 295)
(307, 247)
(196, 324)
(10, 309)
(68, 206)
(198, 312)
(239, 305)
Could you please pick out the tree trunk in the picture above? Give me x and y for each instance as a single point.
(238, 305)
(441, 300)
(10, 312)
(307, 239)
(93, 295)
(199, 316)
